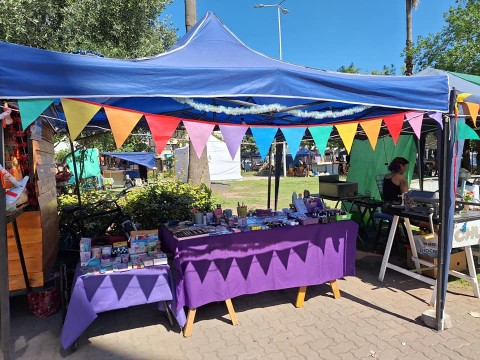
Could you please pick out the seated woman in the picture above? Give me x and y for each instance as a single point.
(395, 183)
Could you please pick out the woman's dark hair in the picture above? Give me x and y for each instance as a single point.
(395, 164)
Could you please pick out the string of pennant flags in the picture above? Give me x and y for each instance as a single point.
(78, 113)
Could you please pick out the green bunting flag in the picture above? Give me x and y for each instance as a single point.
(31, 109)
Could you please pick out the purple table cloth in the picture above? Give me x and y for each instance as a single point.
(216, 268)
(93, 294)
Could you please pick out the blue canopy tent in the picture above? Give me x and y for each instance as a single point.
(210, 75)
(141, 158)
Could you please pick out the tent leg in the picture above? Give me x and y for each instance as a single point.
(4, 289)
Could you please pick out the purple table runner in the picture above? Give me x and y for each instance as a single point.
(93, 294)
(216, 268)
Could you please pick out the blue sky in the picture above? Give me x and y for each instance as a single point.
(324, 34)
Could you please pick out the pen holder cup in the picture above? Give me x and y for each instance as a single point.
(242, 211)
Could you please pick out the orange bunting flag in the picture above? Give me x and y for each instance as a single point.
(372, 130)
(347, 134)
(394, 125)
(473, 111)
(122, 123)
(78, 114)
(162, 128)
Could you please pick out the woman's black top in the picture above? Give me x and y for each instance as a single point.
(391, 192)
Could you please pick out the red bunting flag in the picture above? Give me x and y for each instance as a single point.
(394, 125)
(162, 128)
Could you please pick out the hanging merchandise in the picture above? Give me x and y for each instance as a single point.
(17, 164)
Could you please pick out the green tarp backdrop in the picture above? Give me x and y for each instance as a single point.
(366, 164)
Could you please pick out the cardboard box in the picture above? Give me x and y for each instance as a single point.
(458, 262)
(338, 189)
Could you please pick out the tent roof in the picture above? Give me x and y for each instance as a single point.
(210, 66)
(462, 83)
(140, 158)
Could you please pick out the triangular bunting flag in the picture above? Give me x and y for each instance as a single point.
(199, 134)
(461, 97)
(372, 130)
(244, 265)
(31, 109)
(122, 123)
(283, 256)
(466, 132)
(473, 111)
(91, 285)
(347, 134)
(263, 138)
(184, 266)
(78, 114)
(394, 125)
(264, 260)
(320, 135)
(233, 136)
(147, 283)
(223, 265)
(162, 128)
(437, 116)
(415, 119)
(120, 283)
(201, 267)
(293, 137)
(301, 251)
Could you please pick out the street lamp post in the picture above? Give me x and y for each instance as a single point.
(279, 8)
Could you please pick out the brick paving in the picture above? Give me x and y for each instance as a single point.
(372, 320)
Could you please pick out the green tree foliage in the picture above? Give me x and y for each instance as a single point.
(114, 28)
(352, 69)
(457, 46)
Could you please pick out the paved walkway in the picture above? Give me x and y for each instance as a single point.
(372, 320)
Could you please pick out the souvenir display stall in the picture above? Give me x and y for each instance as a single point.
(235, 91)
(225, 256)
(118, 276)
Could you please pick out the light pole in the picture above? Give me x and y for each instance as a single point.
(285, 11)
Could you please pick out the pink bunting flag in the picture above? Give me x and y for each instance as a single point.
(394, 124)
(233, 136)
(162, 128)
(415, 118)
(199, 134)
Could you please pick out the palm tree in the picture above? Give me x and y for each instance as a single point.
(198, 171)
(408, 50)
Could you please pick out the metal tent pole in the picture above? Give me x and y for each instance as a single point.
(269, 177)
(447, 184)
(4, 288)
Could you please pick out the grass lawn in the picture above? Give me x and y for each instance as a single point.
(252, 191)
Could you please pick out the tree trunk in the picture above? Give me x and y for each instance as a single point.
(198, 171)
(408, 49)
(190, 13)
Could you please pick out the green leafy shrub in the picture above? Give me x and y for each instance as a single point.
(167, 200)
(90, 204)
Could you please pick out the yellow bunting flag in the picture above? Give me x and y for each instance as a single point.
(394, 124)
(473, 111)
(122, 123)
(372, 130)
(78, 114)
(347, 134)
(460, 98)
